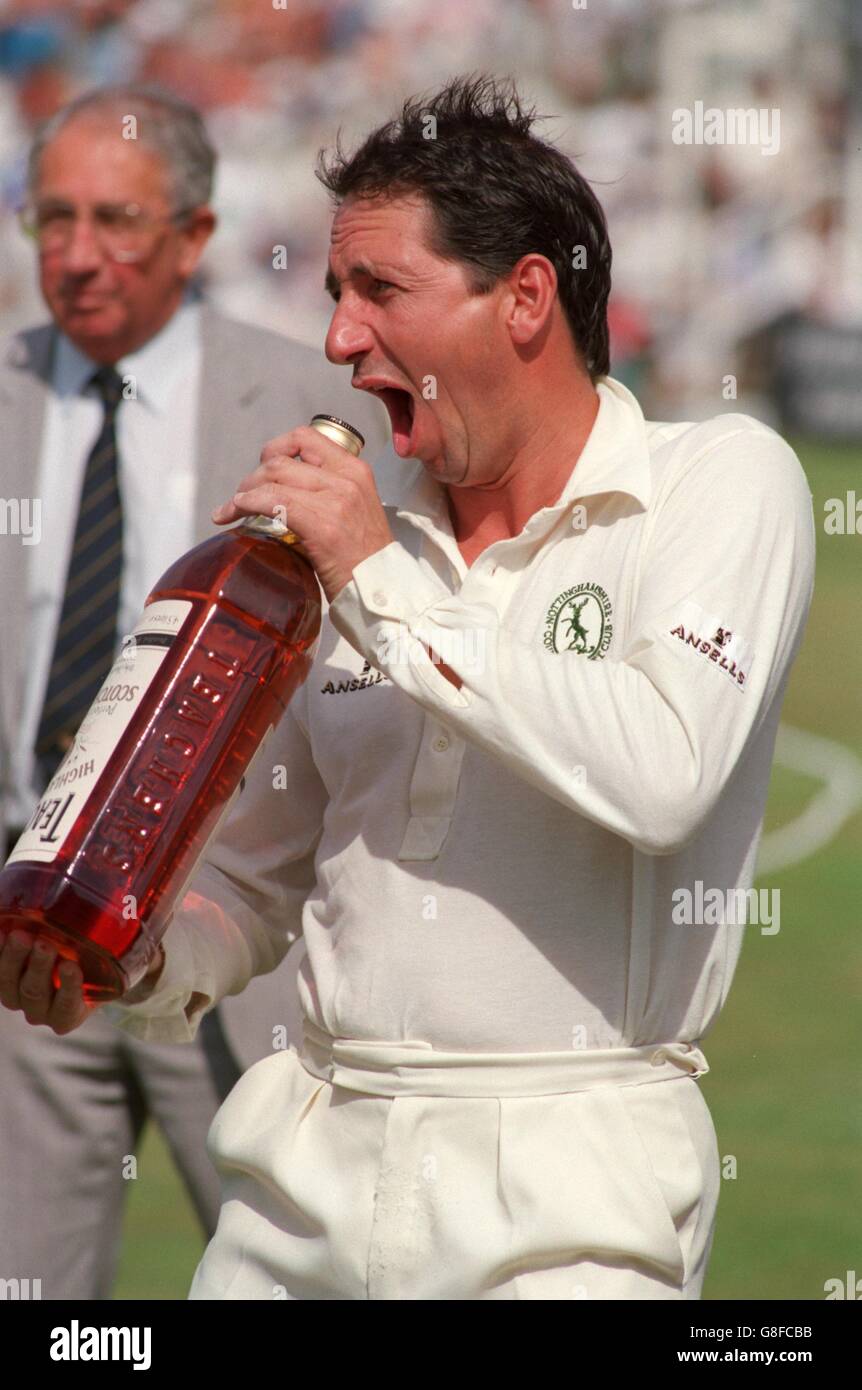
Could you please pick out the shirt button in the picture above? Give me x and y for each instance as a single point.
(379, 596)
(658, 1057)
(441, 744)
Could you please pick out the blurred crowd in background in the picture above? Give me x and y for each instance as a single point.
(715, 246)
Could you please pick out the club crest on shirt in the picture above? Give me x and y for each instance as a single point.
(579, 620)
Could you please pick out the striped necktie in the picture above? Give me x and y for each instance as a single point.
(87, 633)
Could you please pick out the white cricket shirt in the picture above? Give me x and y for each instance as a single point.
(493, 869)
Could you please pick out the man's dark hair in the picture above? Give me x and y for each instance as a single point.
(496, 193)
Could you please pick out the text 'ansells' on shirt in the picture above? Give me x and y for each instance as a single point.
(365, 678)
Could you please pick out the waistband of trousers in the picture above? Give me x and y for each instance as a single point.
(416, 1069)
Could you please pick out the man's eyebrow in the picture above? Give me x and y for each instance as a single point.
(52, 201)
(330, 283)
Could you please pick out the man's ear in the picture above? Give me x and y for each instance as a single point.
(195, 234)
(533, 289)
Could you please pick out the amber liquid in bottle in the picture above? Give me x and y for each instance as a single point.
(246, 607)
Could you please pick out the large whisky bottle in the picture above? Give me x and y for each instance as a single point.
(226, 637)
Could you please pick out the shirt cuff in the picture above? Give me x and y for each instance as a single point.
(162, 1017)
(379, 612)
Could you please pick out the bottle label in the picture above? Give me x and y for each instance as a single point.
(103, 726)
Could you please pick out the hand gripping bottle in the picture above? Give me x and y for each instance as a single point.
(227, 635)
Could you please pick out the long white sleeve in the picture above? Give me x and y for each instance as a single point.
(643, 742)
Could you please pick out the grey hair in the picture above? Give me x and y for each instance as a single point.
(167, 125)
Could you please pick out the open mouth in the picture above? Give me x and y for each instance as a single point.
(401, 409)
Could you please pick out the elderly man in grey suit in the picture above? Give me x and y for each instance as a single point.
(141, 394)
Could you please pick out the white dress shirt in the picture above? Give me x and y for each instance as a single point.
(493, 869)
(156, 446)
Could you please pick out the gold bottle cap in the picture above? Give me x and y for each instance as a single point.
(339, 432)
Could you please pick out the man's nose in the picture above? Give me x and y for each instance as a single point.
(82, 251)
(347, 335)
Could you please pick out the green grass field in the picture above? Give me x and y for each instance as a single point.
(784, 1086)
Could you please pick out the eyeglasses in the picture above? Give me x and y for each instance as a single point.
(124, 231)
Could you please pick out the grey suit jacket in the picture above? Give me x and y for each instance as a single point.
(254, 385)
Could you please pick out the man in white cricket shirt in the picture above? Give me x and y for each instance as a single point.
(545, 699)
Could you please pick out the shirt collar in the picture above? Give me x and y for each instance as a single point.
(156, 365)
(615, 458)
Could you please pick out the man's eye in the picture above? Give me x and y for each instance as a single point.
(53, 217)
(118, 218)
(378, 285)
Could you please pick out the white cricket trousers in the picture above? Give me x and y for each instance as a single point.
(375, 1170)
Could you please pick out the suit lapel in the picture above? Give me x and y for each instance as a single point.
(24, 376)
(228, 390)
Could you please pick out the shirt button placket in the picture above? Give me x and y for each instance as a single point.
(433, 790)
